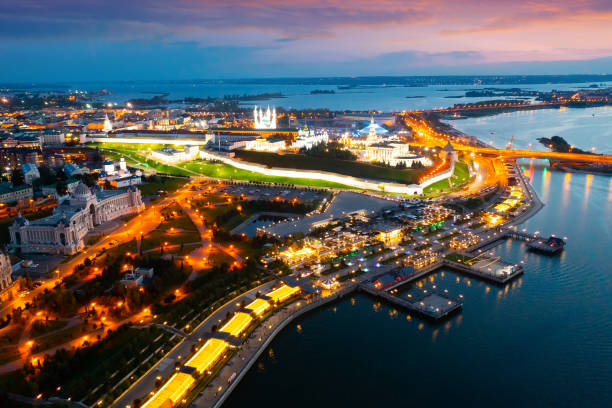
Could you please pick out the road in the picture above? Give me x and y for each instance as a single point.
(145, 384)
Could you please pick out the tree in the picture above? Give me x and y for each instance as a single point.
(61, 187)
(61, 174)
(17, 177)
(46, 175)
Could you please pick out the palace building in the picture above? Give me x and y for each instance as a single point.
(64, 231)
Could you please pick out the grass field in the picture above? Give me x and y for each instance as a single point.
(225, 171)
(167, 184)
(350, 168)
(460, 176)
(197, 167)
(132, 154)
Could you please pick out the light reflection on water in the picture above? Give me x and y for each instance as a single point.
(543, 328)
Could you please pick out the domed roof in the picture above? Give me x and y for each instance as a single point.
(81, 190)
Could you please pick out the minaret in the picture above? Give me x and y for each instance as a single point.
(255, 119)
(273, 118)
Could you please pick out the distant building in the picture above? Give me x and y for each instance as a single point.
(65, 230)
(265, 145)
(108, 126)
(72, 169)
(51, 189)
(10, 194)
(52, 138)
(30, 172)
(307, 138)
(128, 181)
(263, 120)
(392, 154)
(132, 280)
(137, 277)
(450, 152)
(173, 156)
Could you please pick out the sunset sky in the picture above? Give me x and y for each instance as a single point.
(54, 40)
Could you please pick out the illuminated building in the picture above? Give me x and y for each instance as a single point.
(463, 241)
(108, 126)
(389, 235)
(293, 256)
(373, 131)
(263, 120)
(265, 145)
(422, 258)
(10, 194)
(64, 231)
(307, 138)
(493, 219)
(329, 284)
(391, 154)
(173, 156)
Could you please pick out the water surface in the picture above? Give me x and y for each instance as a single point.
(543, 340)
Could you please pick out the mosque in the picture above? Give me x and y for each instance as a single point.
(64, 231)
(373, 143)
(263, 120)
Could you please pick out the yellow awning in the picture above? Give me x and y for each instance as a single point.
(171, 391)
(258, 306)
(207, 355)
(283, 293)
(237, 324)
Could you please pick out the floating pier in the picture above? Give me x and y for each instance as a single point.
(433, 306)
(494, 271)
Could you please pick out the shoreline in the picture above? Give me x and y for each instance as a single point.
(227, 372)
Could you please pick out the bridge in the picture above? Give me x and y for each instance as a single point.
(556, 157)
(432, 136)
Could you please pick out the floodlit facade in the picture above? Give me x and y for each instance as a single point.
(173, 156)
(65, 230)
(263, 120)
(265, 145)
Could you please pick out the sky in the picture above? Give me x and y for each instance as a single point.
(56, 40)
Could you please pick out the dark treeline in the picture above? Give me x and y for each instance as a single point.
(330, 150)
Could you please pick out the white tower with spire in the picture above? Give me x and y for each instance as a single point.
(263, 120)
(108, 126)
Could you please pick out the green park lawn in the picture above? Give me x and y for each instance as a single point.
(346, 167)
(460, 177)
(225, 171)
(165, 183)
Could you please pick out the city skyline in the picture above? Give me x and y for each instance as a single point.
(98, 40)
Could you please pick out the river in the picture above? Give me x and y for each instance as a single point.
(584, 128)
(542, 340)
(298, 96)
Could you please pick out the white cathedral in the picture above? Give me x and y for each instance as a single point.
(64, 231)
(263, 120)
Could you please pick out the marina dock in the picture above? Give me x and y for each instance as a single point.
(433, 306)
(488, 274)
